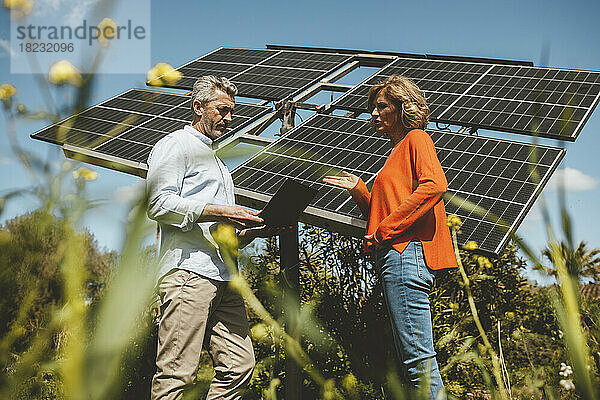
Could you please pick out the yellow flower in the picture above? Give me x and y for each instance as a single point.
(454, 221)
(7, 91)
(260, 333)
(62, 72)
(108, 30)
(482, 349)
(484, 262)
(350, 383)
(21, 108)
(85, 174)
(163, 73)
(470, 245)
(226, 238)
(19, 8)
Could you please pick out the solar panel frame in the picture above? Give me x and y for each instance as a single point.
(371, 53)
(472, 101)
(547, 114)
(480, 117)
(259, 177)
(252, 83)
(129, 144)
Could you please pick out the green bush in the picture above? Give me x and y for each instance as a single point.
(345, 297)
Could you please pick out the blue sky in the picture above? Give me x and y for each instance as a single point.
(181, 31)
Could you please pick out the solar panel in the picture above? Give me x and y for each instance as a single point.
(548, 102)
(263, 74)
(128, 125)
(494, 174)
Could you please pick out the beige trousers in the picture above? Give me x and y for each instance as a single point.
(196, 310)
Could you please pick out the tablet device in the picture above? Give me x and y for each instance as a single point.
(287, 204)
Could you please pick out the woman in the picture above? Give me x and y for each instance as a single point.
(406, 223)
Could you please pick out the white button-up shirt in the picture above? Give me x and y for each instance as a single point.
(185, 174)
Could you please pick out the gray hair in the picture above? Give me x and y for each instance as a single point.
(205, 87)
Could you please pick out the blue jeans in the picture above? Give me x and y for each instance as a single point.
(406, 282)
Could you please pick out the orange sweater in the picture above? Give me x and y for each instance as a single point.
(406, 201)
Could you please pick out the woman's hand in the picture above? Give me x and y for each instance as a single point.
(370, 239)
(346, 181)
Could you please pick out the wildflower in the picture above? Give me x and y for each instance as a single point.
(163, 73)
(350, 383)
(7, 91)
(470, 245)
(226, 238)
(567, 384)
(484, 262)
(565, 370)
(329, 389)
(108, 28)
(482, 349)
(85, 174)
(454, 221)
(453, 306)
(509, 315)
(21, 108)
(19, 8)
(66, 166)
(62, 72)
(260, 333)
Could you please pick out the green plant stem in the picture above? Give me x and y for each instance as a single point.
(495, 364)
(228, 243)
(569, 318)
(291, 345)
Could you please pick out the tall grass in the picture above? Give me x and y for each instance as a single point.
(92, 341)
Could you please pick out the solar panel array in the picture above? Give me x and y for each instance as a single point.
(493, 174)
(547, 102)
(128, 125)
(501, 177)
(263, 74)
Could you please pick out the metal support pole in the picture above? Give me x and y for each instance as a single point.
(288, 117)
(289, 260)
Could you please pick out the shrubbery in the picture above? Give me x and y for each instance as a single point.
(346, 332)
(346, 298)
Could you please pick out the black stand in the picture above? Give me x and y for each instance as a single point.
(289, 259)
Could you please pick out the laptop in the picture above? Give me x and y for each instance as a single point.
(287, 204)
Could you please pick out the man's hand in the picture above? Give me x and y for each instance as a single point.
(239, 217)
(346, 181)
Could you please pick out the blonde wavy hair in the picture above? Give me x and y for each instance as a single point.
(412, 108)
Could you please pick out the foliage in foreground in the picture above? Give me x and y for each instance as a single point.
(346, 332)
(73, 327)
(357, 341)
(66, 308)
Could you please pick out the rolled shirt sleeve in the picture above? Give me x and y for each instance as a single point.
(164, 183)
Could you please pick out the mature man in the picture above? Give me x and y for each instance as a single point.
(191, 192)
